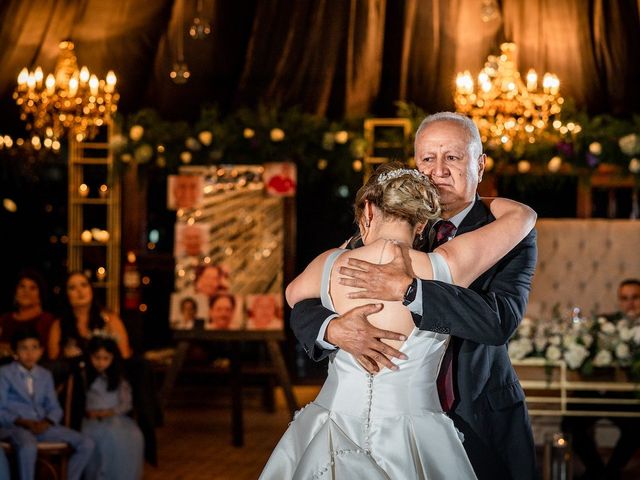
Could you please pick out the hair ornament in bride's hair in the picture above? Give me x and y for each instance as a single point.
(393, 174)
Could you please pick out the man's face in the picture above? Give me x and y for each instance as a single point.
(209, 281)
(629, 301)
(221, 313)
(185, 190)
(443, 154)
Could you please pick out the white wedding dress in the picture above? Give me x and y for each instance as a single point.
(384, 426)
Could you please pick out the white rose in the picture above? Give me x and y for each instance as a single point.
(629, 144)
(608, 328)
(525, 330)
(575, 356)
(626, 334)
(623, 351)
(136, 132)
(587, 339)
(603, 359)
(602, 320)
(595, 148)
(520, 348)
(555, 340)
(554, 353)
(540, 343)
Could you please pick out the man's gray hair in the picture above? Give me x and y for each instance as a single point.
(475, 143)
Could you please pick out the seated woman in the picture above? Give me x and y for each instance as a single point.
(28, 312)
(391, 424)
(81, 316)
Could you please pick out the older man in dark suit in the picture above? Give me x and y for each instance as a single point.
(478, 386)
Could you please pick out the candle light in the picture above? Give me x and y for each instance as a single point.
(104, 191)
(101, 273)
(83, 190)
(86, 236)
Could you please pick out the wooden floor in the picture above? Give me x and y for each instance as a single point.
(195, 442)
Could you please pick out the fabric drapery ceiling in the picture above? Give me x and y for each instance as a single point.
(330, 57)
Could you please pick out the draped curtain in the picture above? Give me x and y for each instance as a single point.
(335, 57)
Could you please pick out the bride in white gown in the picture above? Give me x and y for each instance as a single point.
(390, 425)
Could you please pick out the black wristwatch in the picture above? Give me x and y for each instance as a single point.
(410, 294)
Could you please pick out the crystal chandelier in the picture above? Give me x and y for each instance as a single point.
(505, 109)
(70, 100)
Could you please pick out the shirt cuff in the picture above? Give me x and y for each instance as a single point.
(416, 305)
(320, 341)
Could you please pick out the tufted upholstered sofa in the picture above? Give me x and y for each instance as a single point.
(581, 262)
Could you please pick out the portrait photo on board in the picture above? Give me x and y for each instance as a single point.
(191, 240)
(211, 279)
(184, 191)
(264, 311)
(225, 312)
(188, 311)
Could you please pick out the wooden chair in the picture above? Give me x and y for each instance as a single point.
(53, 457)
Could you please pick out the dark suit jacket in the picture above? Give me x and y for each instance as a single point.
(489, 408)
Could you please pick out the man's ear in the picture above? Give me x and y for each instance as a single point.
(481, 163)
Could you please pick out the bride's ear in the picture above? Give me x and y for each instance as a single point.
(368, 213)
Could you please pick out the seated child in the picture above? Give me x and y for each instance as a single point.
(119, 452)
(30, 411)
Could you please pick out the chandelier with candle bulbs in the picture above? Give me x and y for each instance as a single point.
(69, 100)
(506, 109)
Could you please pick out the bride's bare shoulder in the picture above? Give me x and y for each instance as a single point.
(421, 264)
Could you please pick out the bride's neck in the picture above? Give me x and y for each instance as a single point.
(400, 232)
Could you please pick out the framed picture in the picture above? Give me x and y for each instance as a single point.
(184, 191)
(191, 240)
(211, 279)
(264, 311)
(225, 312)
(188, 311)
(280, 179)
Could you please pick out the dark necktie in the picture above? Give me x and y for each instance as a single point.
(444, 232)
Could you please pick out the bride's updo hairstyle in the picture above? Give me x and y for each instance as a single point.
(401, 193)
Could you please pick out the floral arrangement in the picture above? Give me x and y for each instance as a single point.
(583, 343)
(578, 144)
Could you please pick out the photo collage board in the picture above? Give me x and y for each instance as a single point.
(228, 246)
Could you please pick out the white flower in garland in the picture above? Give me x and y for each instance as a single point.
(553, 353)
(136, 132)
(520, 348)
(623, 352)
(608, 328)
(603, 359)
(629, 144)
(575, 355)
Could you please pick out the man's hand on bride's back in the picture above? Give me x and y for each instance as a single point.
(353, 333)
(386, 281)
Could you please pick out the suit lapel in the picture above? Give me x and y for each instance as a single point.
(478, 215)
(20, 383)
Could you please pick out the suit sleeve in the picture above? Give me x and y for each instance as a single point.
(51, 405)
(7, 417)
(488, 314)
(307, 317)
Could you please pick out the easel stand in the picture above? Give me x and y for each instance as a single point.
(271, 339)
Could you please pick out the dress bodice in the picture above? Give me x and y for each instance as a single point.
(411, 389)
